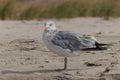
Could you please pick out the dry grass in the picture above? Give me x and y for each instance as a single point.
(39, 9)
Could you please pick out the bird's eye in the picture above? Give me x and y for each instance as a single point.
(51, 24)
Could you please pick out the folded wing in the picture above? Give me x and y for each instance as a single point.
(73, 41)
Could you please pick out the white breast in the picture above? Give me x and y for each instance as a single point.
(55, 49)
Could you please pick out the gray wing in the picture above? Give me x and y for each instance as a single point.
(72, 41)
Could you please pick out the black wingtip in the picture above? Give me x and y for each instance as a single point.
(95, 49)
(98, 47)
(102, 44)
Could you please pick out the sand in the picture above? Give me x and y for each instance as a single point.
(23, 55)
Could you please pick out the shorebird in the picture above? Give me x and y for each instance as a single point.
(66, 43)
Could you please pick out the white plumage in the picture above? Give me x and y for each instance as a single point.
(66, 43)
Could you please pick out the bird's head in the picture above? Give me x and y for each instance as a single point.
(50, 26)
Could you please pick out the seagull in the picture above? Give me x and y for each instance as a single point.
(66, 43)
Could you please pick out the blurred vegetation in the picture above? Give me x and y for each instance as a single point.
(43, 9)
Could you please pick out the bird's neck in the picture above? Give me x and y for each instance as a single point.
(50, 31)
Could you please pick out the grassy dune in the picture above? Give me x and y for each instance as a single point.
(40, 9)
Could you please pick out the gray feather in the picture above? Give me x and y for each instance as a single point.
(72, 41)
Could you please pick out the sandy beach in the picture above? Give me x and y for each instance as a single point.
(23, 55)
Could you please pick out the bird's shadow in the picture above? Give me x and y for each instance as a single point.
(35, 71)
